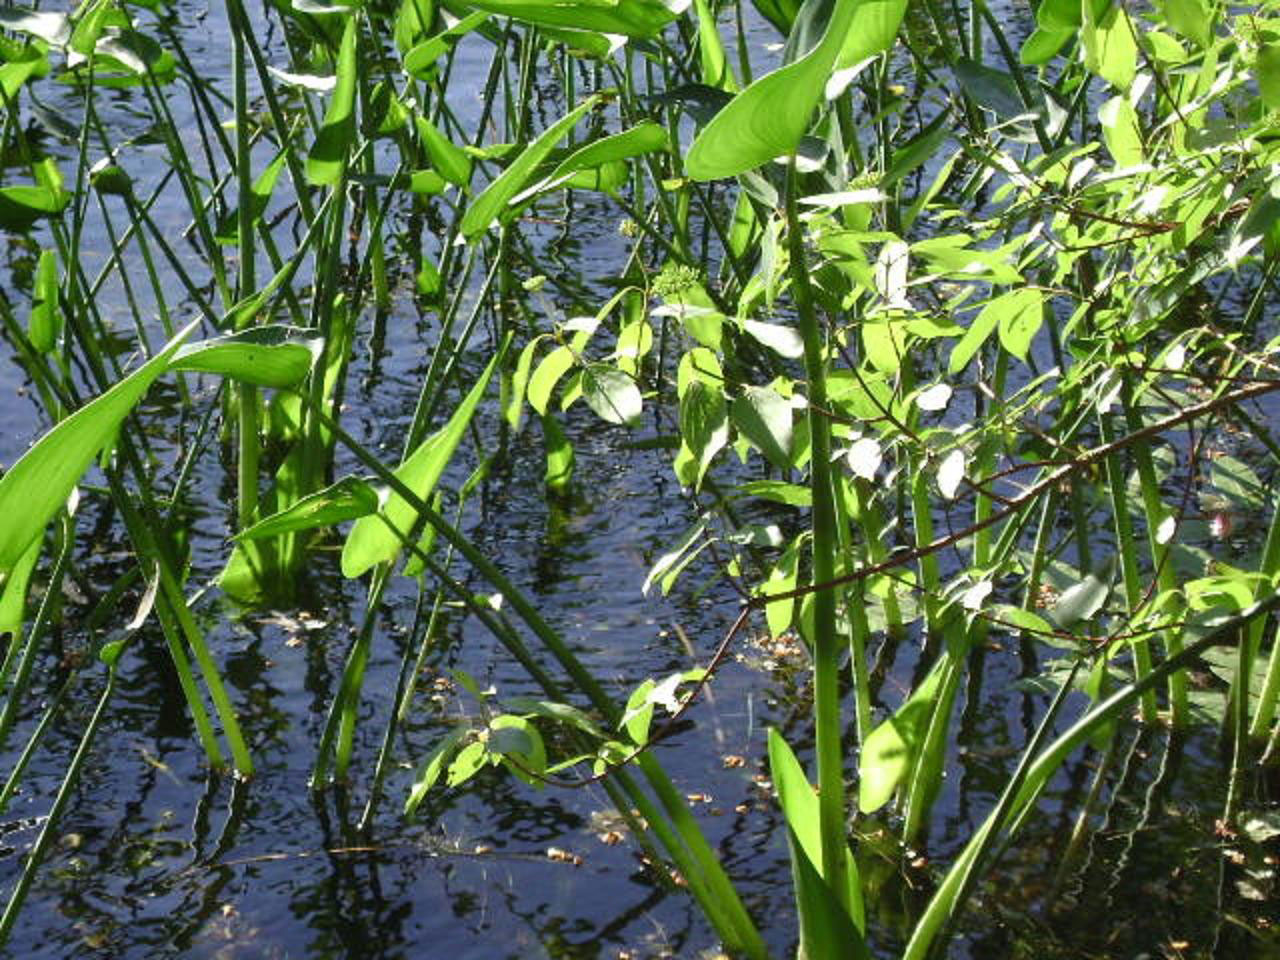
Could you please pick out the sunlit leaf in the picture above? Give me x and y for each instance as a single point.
(890, 748)
(371, 540)
(37, 485)
(769, 117)
(328, 155)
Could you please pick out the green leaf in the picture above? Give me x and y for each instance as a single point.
(470, 760)
(1043, 45)
(560, 458)
(420, 62)
(784, 341)
(704, 427)
(990, 89)
(45, 324)
(593, 158)
(1267, 67)
(413, 21)
(13, 593)
(371, 541)
(1019, 314)
(875, 30)
(260, 196)
(22, 206)
(1111, 51)
(639, 713)
(328, 155)
(765, 418)
(612, 394)
(432, 767)
(348, 499)
(1081, 602)
(560, 712)
(268, 356)
(449, 160)
(1121, 132)
(520, 746)
(891, 748)
(769, 117)
(778, 491)
(490, 205)
(1192, 19)
(546, 375)
(672, 558)
(38, 484)
(823, 921)
(630, 18)
(513, 408)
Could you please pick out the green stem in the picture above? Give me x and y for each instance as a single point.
(826, 652)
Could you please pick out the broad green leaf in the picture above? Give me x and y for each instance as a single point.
(348, 499)
(45, 324)
(1191, 18)
(433, 766)
(984, 324)
(1043, 45)
(778, 491)
(1267, 68)
(134, 56)
(413, 23)
(630, 18)
(546, 375)
(469, 761)
(769, 117)
(513, 406)
(520, 746)
(1238, 482)
(991, 89)
(891, 748)
(493, 201)
(704, 428)
(1110, 48)
(1121, 132)
(1019, 314)
(715, 65)
(371, 541)
(559, 712)
(22, 66)
(1081, 602)
(612, 394)
(22, 206)
(639, 713)
(874, 30)
(765, 418)
(450, 161)
(38, 484)
(823, 921)
(784, 341)
(328, 155)
(560, 458)
(780, 614)
(420, 62)
(13, 592)
(268, 356)
(644, 137)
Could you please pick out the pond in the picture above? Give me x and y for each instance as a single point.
(157, 854)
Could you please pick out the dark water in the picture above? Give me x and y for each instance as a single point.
(158, 857)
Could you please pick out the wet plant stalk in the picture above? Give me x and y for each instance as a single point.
(826, 651)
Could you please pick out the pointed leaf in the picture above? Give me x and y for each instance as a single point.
(371, 541)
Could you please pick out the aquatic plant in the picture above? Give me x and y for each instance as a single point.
(947, 339)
